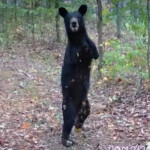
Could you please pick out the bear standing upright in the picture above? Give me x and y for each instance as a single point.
(75, 77)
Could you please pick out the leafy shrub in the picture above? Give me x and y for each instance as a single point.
(123, 59)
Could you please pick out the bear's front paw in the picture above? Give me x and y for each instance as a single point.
(95, 56)
(85, 45)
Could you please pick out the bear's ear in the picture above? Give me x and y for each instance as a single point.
(82, 9)
(62, 11)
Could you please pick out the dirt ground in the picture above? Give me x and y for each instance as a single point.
(30, 105)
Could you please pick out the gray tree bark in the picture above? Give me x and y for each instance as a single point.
(57, 18)
(118, 20)
(32, 18)
(148, 50)
(100, 41)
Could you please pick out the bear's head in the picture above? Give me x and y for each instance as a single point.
(74, 21)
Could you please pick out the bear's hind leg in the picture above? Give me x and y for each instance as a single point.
(83, 114)
(69, 113)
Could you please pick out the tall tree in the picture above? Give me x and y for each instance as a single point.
(100, 41)
(32, 18)
(133, 9)
(15, 13)
(57, 18)
(148, 50)
(118, 19)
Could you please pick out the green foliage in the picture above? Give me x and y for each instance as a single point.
(4, 40)
(107, 16)
(123, 59)
(36, 18)
(139, 29)
(127, 58)
(30, 14)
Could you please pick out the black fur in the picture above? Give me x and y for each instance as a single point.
(75, 77)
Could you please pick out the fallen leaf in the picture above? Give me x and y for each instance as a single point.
(26, 125)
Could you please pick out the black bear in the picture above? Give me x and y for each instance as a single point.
(75, 75)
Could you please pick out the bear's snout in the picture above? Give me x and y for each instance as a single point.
(74, 25)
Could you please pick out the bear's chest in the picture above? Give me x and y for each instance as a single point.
(81, 66)
(83, 58)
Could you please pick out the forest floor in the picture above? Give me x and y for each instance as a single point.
(30, 105)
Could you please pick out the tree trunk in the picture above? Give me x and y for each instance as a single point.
(118, 20)
(100, 41)
(57, 18)
(15, 13)
(48, 4)
(134, 9)
(148, 50)
(1, 20)
(32, 17)
(4, 23)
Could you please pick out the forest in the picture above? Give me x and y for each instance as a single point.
(32, 47)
